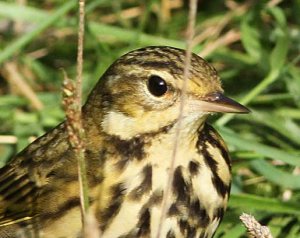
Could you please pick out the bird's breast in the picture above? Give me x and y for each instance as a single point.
(136, 177)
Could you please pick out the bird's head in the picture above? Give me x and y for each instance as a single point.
(142, 92)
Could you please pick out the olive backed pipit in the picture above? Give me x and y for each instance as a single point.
(130, 120)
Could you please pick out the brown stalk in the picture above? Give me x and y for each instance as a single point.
(72, 101)
(190, 35)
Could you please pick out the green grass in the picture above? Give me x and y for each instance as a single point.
(260, 70)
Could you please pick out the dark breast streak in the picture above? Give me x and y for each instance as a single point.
(197, 217)
(191, 214)
(206, 137)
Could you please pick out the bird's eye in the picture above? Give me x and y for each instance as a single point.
(157, 86)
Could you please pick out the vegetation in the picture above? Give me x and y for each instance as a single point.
(254, 45)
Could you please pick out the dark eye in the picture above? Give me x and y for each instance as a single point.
(157, 86)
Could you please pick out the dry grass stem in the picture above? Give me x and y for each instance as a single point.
(255, 230)
(229, 38)
(210, 31)
(8, 139)
(126, 14)
(255, 180)
(38, 53)
(190, 36)
(213, 29)
(165, 11)
(91, 227)
(236, 8)
(273, 3)
(134, 12)
(13, 76)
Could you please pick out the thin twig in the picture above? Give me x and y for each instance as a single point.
(190, 35)
(255, 230)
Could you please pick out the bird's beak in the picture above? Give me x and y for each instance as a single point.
(217, 102)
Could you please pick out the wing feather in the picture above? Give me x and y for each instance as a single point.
(16, 195)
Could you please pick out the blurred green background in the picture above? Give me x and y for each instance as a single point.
(254, 45)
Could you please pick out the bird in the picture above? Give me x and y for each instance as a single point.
(130, 121)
